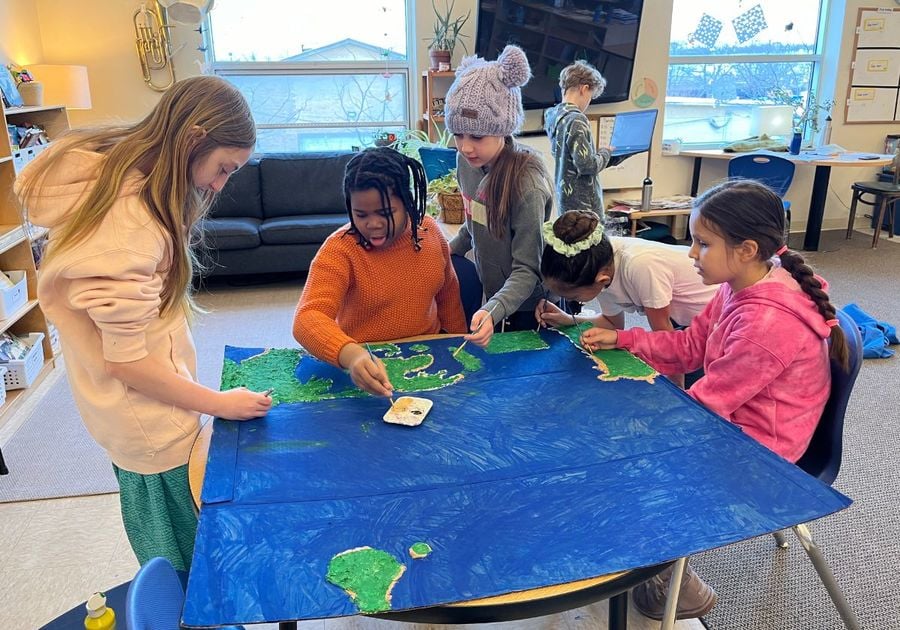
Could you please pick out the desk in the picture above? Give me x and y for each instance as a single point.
(528, 473)
(820, 182)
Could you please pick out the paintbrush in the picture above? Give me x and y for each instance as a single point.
(543, 309)
(483, 322)
(375, 361)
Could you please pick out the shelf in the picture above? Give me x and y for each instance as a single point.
(9, 322)
(15, 397)
(5, 158)
(449, 74)
(10, 236)
(31, 109)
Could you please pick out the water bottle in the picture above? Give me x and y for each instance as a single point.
(99, 615)
(827, 137)
(646, 193)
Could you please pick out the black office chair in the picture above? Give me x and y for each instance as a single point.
(822, 458)
(885, 196)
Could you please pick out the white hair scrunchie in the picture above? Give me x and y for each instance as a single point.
(573, 249)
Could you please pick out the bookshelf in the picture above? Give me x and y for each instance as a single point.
(16, 239)
(433, 90)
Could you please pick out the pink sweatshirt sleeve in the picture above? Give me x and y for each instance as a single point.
(674, 351)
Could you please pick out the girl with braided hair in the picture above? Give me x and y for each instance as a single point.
(763, 341)
(385, 275)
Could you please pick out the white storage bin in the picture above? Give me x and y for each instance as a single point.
(2, 390)
(21, 373)
(15, 297)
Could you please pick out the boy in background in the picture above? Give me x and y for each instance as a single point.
(578, 164)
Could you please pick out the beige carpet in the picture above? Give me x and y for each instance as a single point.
(50, 454)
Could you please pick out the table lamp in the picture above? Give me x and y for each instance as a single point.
(64, 85)
(775, 120)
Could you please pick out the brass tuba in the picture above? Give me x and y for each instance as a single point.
(153, 45)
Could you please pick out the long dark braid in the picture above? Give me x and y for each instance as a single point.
(581, 269)
(388, 171)
(747, 210)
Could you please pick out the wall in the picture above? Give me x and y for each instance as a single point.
(100, 34)
(20, 35)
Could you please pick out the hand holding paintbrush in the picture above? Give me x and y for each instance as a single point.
(484, 339)
(384, 381)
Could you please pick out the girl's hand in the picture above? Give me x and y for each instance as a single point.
(549, 314)
(370, 375)
(599, 339)
(242, 404)
(482, 328)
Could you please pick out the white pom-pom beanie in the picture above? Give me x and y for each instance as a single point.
(485, 98)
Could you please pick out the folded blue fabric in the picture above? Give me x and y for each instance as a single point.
(876, 335)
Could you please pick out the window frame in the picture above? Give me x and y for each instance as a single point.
(404, 67)
(818, 59)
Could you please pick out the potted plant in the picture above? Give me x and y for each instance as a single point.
(445, 200)
(446, 34)
(806, 113)
(412, 140)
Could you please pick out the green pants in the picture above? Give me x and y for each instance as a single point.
(159, 515)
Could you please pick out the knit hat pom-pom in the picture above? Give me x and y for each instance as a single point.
(514, 68)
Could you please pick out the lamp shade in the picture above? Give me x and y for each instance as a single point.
(187, 11)
(64, 85)
(775, 120)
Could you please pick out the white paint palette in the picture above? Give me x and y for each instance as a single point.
(408, 411)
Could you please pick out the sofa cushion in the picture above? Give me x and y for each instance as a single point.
(310, 228)
(230, 233)
(303, 183)
(240, 197)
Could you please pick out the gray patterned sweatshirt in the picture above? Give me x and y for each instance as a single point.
(578, 164)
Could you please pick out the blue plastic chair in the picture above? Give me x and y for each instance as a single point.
(775, 172)
(437, 161)
(822, 458)
(155, 597)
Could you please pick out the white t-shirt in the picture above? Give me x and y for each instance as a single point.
(649, 274)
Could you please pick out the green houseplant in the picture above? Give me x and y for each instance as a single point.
(446, 34)
(445, 199)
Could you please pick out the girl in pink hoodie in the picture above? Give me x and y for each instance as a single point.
(763, 340)
(120, 204)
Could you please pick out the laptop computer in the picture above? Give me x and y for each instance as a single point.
(632, 132)
(437, 161)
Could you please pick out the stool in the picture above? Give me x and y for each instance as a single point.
(886, 195)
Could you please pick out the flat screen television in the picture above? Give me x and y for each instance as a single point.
(554, 33)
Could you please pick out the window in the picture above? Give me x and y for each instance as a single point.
(728, 57)
(319, 76)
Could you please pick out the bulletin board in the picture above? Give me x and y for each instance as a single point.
(873, 95)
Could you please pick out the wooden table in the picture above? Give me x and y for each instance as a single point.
(823, 166)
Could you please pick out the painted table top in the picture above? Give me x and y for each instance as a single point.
(531, 469)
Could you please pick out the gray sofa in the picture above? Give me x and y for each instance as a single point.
(275, 213)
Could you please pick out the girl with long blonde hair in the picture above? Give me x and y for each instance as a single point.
(121, 204)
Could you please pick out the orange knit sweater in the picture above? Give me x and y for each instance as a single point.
(358, 295)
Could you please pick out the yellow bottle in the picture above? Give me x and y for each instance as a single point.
(99, 616)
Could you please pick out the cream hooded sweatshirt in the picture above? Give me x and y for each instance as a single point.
(104, 297)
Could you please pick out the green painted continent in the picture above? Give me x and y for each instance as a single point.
(367, 575)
